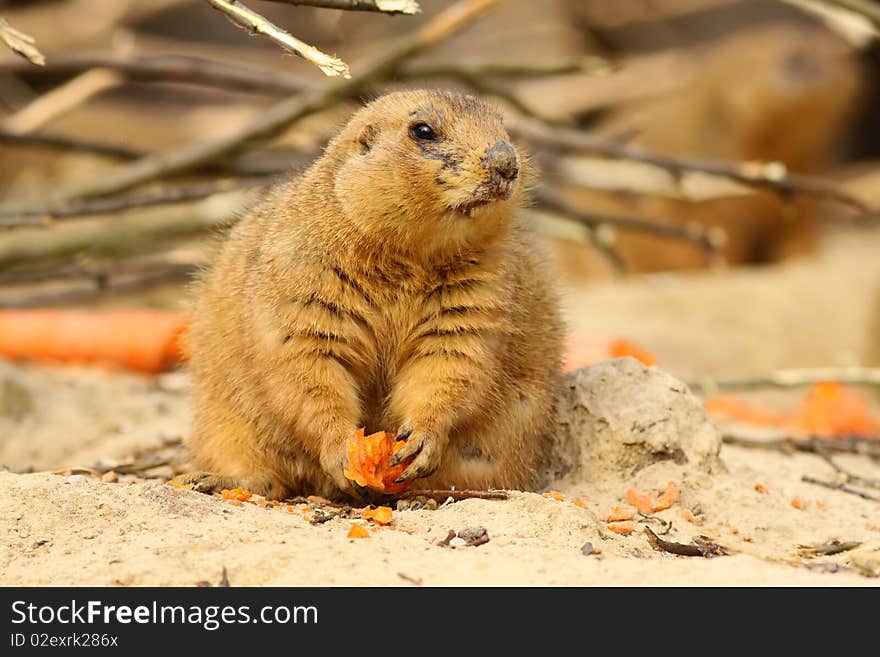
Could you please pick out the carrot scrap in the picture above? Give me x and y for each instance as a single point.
(369, 461)
(668, 498)
(827, 410)
(239, 494)
(622, 528)
(149, 341)
(358, 531)
(579, 503)
(761, 488)
(581, 351)
(798, 503)
(688, 515)
(619, 513)
(640, 500)
(110, 477)
(621, 348)
(381, 514)
(554, 495)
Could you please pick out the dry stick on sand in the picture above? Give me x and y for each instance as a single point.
(257, 24)
(822, 446)
(384, 6)
(443, 494)
(286, 113)
(21, 43)
(833, 485)
(760, 175)
(794, 377)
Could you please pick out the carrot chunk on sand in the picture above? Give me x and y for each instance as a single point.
(642, 501)
(358, 531)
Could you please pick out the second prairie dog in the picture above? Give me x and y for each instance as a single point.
(388, 287)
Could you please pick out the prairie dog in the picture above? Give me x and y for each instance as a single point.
(387, 287)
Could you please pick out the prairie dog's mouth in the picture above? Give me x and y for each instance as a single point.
(485, 195)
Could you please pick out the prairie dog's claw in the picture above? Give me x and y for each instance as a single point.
(427, 457)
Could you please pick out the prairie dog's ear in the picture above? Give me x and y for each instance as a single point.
(366, 138)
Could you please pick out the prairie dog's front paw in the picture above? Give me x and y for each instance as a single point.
(335, 463)
(425, 448)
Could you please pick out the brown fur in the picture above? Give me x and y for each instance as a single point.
(371, 292)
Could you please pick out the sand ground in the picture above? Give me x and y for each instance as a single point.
(820, 311)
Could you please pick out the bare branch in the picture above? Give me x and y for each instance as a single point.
(61, 100)
(708, 241)
(833, 485)
(112, 204)
(286, 113)
(197, 70)
(168, 68)
(794, 378)
(21, 43)
(65, 144)
(384, 6)
(761, 175)
(257, 24)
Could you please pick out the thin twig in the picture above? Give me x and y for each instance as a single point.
(384, 6)
(66, 144)
(21, 43)
(61, 100)
(703, 548)
(709, 241)
(851, 477)
(768, 176)
(257, 24)
(833, 485)
(113, 204)
(228, 75)
(150, 277)
(847, 445)
(795, 377)
(286, 113)
(167, 68)
(442, 494)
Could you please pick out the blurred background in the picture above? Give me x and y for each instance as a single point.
(708, 174)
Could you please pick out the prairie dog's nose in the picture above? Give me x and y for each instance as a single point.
(501, 159)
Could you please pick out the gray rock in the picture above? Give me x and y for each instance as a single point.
(618, 416)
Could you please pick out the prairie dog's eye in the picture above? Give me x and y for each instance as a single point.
(422, 131)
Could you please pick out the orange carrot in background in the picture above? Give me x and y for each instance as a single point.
(148, 341)
(828, 409)
(581, 351)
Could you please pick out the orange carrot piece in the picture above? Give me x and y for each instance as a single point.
(147, 341)
(369, 461)
(381, 515)
(640, 500)
(622, 528)
(581, 351)
(621, 348)
(688, 515)
(239, 494)
(669, 497)
(554, 495)
(761, 488)
(358, 531)
(798, 503)
(619, 513)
